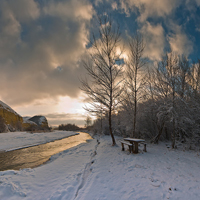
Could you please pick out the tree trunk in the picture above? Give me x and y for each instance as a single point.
(134, 121)
(173, 122)
(135, 102)
(160, 130)
(110, 128)
(173, 135)
(166, 133)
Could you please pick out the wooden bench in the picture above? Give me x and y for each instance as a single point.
(145, 146)
(128, 144)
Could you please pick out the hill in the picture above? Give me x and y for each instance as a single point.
(15, 122)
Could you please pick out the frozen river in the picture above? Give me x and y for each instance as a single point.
(37, 155)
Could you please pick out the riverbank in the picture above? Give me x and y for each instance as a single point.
(96, 170)
(17, 140)
(37, 155)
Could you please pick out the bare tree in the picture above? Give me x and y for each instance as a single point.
(167, 88)
(104, 68)
(135, 75)
(183, 78)
(88, 121)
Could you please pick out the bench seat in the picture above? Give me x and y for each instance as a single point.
(126, 143)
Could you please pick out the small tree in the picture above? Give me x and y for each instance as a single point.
(105, 71)
(88, 121)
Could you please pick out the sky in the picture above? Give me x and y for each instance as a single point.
(43, 43)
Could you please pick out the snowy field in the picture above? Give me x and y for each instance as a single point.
(98, 171)
(16, 140)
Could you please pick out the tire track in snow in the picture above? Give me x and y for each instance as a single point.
(87, 171)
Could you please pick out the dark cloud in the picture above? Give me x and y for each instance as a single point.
(40, 47)
(42, 42)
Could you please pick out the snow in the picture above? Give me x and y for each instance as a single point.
(42, 119)
(26, 120)
(16, 140)
(98, 171)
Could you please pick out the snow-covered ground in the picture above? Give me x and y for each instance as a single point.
(98, 171)
(16, 140)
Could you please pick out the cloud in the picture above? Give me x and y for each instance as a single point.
(156, 19)
(155, 40)
(179, 41)
(149, 8)
(114, 6)
(66, 9)
(40, 59)
(65, 118)
(24, 10)
(197, 2)
(42, 43)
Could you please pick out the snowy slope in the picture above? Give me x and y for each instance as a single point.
(96, 170)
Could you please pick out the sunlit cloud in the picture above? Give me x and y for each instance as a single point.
(154, 40)
(149, 8)
(58, 110)
(179, 41)
(66, 118)
(81, 10)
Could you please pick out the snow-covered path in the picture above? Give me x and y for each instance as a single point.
(158, 174)
(98, 171)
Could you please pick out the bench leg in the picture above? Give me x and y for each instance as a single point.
(130, 148)
(136, 147)
(122, 147)
(145, 148)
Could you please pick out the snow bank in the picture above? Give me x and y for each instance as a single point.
(58, 179)
(16, 140)
(98, 171)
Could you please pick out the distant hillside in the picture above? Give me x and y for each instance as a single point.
(14, 122)
(12, 119)
(28, 125)
(40, 120)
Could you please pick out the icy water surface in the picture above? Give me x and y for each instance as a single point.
(37, 155)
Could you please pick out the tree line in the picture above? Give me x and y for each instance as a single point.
(136, 97)
(68, 127)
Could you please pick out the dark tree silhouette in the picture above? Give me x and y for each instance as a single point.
(104, 68)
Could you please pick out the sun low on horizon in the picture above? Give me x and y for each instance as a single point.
(58, 111)
(43, 44)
